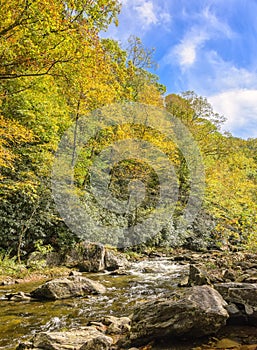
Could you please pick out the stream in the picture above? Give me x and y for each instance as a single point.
(148, 279)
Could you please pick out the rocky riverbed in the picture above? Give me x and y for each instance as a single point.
(182, 301)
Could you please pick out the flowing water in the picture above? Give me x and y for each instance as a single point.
(148, 279)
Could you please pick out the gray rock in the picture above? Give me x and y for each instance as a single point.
(239, 293)
(86, 339)
(229, 275)
(117, 325)
(20, 296)
(67, 287)
(196, 277)
(244, 297)
(75, 273)
(88, 257)
(114, 261)
(193, 312)
(120, 272)
(94, 257)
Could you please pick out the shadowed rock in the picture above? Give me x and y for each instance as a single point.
(194, 312)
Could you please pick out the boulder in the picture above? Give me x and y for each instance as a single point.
(67, 287)
(241, 297)
(88, 257)
(192, 312)
(94, 257)
(85, 339)
(114, 260)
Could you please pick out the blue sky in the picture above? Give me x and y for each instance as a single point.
(209, 46)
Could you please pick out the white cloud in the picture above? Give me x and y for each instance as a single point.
(240, 108)
(215, 24)
(186, 51)
(206, 26)
(146, 13)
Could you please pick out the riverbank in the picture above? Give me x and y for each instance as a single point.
(148, 277)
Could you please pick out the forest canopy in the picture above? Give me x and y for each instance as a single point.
(56, 68)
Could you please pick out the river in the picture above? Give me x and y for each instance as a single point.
(146, 280)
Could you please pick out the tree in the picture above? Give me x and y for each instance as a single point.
(38, 36)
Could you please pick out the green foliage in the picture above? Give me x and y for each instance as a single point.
(9, 265)
(54, 68)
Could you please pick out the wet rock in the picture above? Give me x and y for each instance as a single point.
(67, 287)
(20, 296)
(114, 261)
(86, 339)
(180, 258)
(193, 312)
(148, 270)
(75, 273)
(197, 277)
(6, 283)
(120, 272)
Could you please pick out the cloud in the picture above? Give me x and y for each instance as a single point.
(186, 51)
(240, 108)
(203, 27)
(140, 17)
(146, 13)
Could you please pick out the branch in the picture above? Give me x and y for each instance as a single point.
(22, 75)
(17, 22)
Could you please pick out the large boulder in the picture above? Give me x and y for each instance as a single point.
(193, 312)
(94, 257)
(86, 339)
(67, 287)
(114, 260)
(88, 257)
(242, 301)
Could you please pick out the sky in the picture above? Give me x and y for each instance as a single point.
(208, 46)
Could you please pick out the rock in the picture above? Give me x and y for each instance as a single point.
(229, 275)
(6, 283)
(94, 257)
(196, 277)
(193, 312)
(244, 297)
(239, 293)
(226, 343)
(49, 259)
(20, 296)
(86, 339)
(88, 257)
(67, 287)
(120, 272)
(148, 270)
(75, 273)
(117, 325)
(114, 261)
